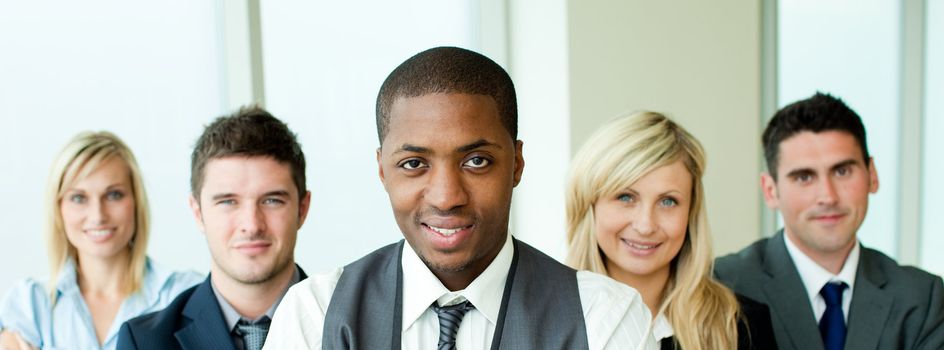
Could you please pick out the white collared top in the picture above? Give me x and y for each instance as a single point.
(615, 315)
(814, 277)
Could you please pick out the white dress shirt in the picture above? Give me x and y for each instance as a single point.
(814, 277)
(615, 315)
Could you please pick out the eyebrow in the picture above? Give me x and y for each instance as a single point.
(797, 172)
(276, 193)
(461, 149)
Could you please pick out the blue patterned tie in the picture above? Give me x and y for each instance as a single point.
(832, 326)
(449, 319)
(254, 334)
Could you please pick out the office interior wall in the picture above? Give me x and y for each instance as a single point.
(698, 62)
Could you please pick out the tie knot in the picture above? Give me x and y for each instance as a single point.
(832, 293)
(449, 319)
(253, 333)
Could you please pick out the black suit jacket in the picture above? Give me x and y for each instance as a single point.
(193, 320)
(754, 329)
(893, 307)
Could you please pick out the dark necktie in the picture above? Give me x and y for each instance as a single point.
(254, 334)
(449, 319)
(832, 326)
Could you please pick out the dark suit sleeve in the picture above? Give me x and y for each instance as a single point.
(754, 328)
(932, 331)
(125, 338)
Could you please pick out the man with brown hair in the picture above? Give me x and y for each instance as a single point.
(249, 198)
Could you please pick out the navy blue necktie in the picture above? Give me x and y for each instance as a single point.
(832, 327)
(449, 319)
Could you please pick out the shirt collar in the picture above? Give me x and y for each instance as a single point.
(662, 328)
(421, 287)
(231, 316)
(815, 276)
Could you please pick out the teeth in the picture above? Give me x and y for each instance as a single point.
(445, 231)
(640, 246)
(99, 233)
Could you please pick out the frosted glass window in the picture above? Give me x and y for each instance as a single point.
(850, 48)
(324, 63)
(147, 71)
(932, 236)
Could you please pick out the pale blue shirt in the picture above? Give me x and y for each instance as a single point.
(26, 308)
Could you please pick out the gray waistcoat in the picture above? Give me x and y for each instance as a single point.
(540, 308)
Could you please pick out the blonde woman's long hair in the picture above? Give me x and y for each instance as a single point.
(79, 158)
(702, 312)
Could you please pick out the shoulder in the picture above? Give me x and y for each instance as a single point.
(25, 307)
(299, 319)
(614, 313)
(163, 322)
(907, 279)
(169, 283)
(748, 260)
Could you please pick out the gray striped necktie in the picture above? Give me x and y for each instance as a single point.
(449, 319)
(254, 334)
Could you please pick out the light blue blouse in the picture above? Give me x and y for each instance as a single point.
(26, 308)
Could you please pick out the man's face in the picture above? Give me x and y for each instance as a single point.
(250, 212)
(449, 167)
(822, 190)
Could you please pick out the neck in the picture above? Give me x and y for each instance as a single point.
(651, 287)
(252, 300)
(832, 261)
(459, 279)
(103, 276)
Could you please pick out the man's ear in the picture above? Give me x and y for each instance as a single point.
(768, 185)
(197, 212)
(303, 205)
(519, 161)
(873, 176)
(380, 168)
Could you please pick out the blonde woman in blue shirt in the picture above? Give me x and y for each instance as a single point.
(97, 233)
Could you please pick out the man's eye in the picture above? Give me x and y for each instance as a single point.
(412, 164)
(843, 171)
(477, 162)
(272, 201)
(226, 202)
(804, 178)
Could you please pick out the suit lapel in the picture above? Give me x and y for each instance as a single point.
(870, 305)
(787, 298)
(206, 329)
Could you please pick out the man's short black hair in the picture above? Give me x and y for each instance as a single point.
(819, 113)
(249, 132)
(448, 70)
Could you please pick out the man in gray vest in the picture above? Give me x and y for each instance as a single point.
(449, 159)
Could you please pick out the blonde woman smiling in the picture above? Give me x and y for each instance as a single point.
(636, 212)
(97, 233)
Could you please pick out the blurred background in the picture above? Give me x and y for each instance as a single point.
(155, 73)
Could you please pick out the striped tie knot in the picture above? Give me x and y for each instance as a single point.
(449, 319)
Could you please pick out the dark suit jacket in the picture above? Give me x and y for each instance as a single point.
(193, 320)
(754, 329)
(893, 307)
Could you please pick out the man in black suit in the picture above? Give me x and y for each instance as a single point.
(824, 289)
(248, 196)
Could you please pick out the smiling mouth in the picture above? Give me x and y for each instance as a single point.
(446, 231)
(99, 233)
(640, 246)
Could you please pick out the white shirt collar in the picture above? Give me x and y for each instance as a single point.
(421, 288)
(815, 276)
(661, 328)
